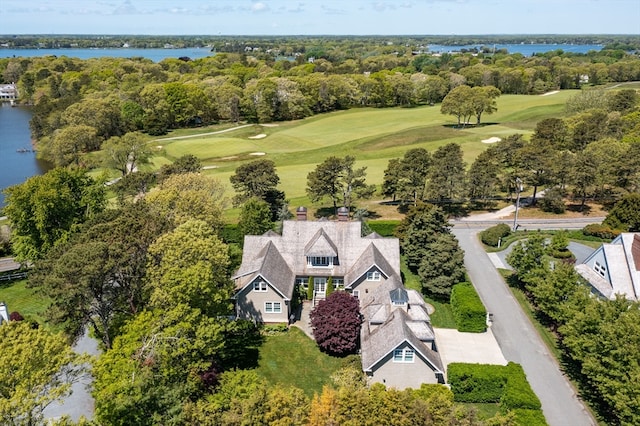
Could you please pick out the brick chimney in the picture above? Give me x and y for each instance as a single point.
(343, 214)
(301, 213)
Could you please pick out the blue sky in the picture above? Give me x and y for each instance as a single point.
(297, 17)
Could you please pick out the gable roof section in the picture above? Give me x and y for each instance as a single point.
(271, 266)
(371, 256)
(321, 245)
(622, 258)
(378, 344)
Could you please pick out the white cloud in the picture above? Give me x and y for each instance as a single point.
(259, 7)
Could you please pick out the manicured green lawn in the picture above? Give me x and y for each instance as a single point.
(293, 359)
(24, 300)
(372, 135)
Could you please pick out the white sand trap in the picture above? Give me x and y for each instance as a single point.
(269, 125)
(553, 92)
(260, 136)
(159, 147)
(209, 167)
(231, 157)
(491, 140)
(257, 153)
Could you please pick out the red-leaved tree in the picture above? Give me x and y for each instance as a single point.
(336, 324)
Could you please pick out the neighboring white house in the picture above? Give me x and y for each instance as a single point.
(397, 341)
(8, 92)
(614, 268)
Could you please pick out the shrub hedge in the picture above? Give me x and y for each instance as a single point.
(476, 382)
(491, 236)
(600, 231)
(508, 385)
(518, 392)
(468, 311)
(529, 417)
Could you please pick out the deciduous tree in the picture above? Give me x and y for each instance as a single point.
(126, 153)
(336, 323)
(37, 369)
(189, 196)
(45, 209)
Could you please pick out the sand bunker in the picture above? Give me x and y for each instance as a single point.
(550, 93)
(257, 153)
(209, 167)
(231, 157)
(491, 140)
(260, 136)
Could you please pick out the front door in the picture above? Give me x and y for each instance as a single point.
(320, 285)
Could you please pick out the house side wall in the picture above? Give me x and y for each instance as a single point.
(599, 257)
(250, 305)
(401, 375)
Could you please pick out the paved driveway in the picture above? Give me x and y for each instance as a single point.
(519, 340)
(473, 348)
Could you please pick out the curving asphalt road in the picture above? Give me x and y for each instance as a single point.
(517, 337)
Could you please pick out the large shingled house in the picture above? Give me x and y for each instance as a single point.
(398, 344)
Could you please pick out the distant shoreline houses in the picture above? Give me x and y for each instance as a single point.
(8, 92)
(398, 345)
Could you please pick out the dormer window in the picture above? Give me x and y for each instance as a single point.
(259, 286)
(320, 261)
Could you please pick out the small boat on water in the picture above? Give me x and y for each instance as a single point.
(21, 150)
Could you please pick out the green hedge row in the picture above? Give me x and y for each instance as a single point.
(476, 382)
(518, 392)
(491, 236)
(386, 228)
(468, 311)
(529, 417)
(600, 231)
(508, 385)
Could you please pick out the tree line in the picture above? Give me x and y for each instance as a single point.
(114, 96)
(594, 153)
(599, 338)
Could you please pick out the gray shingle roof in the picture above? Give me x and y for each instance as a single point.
(371, 256)
(270, 265)
(377, 344)
(345, 237)
(321, 245)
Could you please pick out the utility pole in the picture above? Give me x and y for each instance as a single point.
(518, 191)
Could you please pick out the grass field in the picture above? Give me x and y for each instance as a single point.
(293, 359)
(372, 135)
(20, 298)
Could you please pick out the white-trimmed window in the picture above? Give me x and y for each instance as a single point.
(403, 355)
(338, 282)
(320, 261)
(272, 307)
(601, 269)
(259, 286)
(373, 276)
(356, 294)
